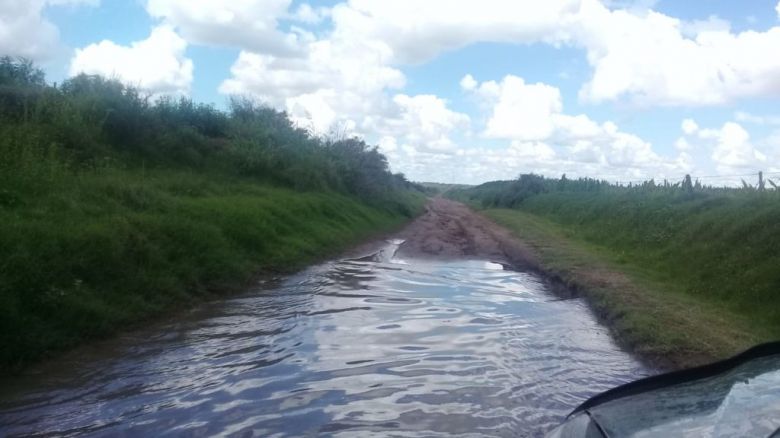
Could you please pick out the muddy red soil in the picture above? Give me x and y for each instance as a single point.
(449, 229)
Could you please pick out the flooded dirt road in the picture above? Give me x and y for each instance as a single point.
(450, 230)
(416, 341)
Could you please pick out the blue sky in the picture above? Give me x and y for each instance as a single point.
(456, 91)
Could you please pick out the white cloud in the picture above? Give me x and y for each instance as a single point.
(577, 127)
(425, 122)
(156, 64)
(417, 31)
(636, 53)
(388, 144)
(727, 150)
(576, 145)
(532, 149)
(468, 83)
(771, 144)
(309, 15)
(647, 59)
(335, 82)
(531, 115)
(479, 164)
(733, 148)
(520, 111)
(73, 2)
(327, 65)
(247, 24)
(341, 87)
(314, 112)
(683, 144)
(742, 116)
(25, 32)
(693, 28)
(689, 126)
(347, 75)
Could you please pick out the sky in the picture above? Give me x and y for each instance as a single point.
(456, 91)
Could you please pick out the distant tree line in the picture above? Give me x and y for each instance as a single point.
(513, 193)
(89, 122)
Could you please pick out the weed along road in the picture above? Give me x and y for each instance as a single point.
(438, 331)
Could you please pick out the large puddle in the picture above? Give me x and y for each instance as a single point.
(348, 348)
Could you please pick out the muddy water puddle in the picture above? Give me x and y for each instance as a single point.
(374, 346)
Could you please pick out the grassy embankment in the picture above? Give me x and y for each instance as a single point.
(683, 275)
(115, 209)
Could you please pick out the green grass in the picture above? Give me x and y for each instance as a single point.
(722, 248)
(675, 284)
(84, 254)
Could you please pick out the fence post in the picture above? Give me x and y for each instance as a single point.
(761, 181)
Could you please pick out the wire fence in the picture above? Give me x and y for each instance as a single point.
(756, 179)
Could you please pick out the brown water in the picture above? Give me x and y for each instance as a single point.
(377, 346)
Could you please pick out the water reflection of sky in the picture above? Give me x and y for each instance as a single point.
(420, 348)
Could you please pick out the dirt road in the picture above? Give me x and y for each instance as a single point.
(449, 229)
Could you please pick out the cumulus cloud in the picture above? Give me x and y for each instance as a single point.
(478, 164)
(25, 32)
(771, 144)
(742, 116)
(348, 74)
(310, 15)
(682, 144)
(344, 86)
(73, 2)
(247, 24)
(647, 59)
(418, 139)
(636, 53)
(733, 148)
(531, 116)
(520, 111)
(156, 64)
(335, 83)
(417, 31)
(689, 126)
(424, 122)
(693, 28)
(335, 65)
(534, 150)
(468, 83)
(727, 149)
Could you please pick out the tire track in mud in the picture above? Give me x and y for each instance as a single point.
(450, 230)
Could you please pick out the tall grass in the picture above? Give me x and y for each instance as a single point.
(89, 121)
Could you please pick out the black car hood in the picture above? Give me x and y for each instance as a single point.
(739, 396)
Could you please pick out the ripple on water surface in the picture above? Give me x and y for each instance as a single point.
(412, 348)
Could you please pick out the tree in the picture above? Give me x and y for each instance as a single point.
(20, 72)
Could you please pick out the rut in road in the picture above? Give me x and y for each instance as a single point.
(449, 229)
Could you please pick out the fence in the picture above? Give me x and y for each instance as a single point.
(763, 180)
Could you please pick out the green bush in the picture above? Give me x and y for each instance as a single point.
(90, 121)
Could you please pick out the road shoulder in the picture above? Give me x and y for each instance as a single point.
(649, 317)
